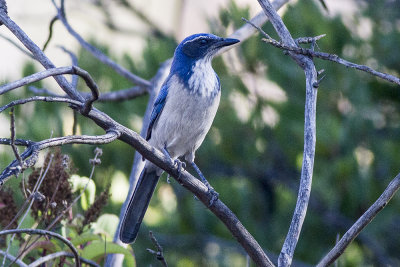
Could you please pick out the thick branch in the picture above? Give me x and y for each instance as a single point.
(287, 252)
(46, 233)
(362, 222)
(14, 259)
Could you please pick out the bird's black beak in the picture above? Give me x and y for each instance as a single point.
(226, 42)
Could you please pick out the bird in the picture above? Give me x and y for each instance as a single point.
(181, 117)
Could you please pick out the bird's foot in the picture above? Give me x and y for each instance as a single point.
(213, 195)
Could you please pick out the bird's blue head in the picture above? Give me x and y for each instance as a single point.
(197, 47)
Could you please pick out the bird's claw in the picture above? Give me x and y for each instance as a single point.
(181, 166)
(213, 195)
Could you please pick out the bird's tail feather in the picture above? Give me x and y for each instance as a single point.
(138, 205)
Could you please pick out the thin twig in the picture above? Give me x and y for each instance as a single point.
(34, 196)
(324, 56)
(45, 233)
(159, 253)
(53, 20)
(16, 45)
(12, 130)
(55, 255)
(39, 55)
(40, 98)
(362, 222)
(74, 59)
(97, 53)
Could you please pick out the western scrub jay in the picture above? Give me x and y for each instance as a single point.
(182, 115)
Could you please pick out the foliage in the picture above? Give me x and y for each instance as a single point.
(87, 231)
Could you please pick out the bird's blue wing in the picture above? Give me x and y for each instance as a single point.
(157, 108)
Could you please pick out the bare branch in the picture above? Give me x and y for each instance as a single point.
(16, 45)
(46, 233)
(54, 72)
(12, 130)
(286, 255)
(159, 253)
(362, 222)
(39, 55)
(40, 98)
(14, 259)
(33, 149)
(55, 255)
(53, 20)
(97, 53)
(322, 55)
(74, 59)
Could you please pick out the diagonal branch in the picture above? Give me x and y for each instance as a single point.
(306, 63)
(362, 222)
(97, 53)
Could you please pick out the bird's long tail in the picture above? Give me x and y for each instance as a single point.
(138, 205)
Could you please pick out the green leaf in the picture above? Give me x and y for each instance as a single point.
(79, 183)
(84, 238)
(98, 249)
(106, 224)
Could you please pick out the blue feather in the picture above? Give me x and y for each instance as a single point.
(158, 107)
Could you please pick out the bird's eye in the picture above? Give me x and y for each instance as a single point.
(203, 41)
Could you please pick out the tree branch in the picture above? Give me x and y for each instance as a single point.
(14, 259)
(40, 98)
(61, 254)
(322, 55)
(54, 72)
(287, 252)
(46, 233)
(34, 147)
(97, 53)
(39, 55)
(362, 222)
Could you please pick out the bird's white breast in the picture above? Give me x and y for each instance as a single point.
(184, 121)
(203, 80)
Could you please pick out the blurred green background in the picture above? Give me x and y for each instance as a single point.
(252, 155)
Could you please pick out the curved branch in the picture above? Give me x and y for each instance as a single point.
(39, 55)
(362, 222)
(61, 254)
(40, 98)
(45, 233)
(34, 147)
(54, 72)
(14, 259)
(98, 54)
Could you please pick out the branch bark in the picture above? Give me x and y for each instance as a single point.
(306, 63)
(361, 223)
